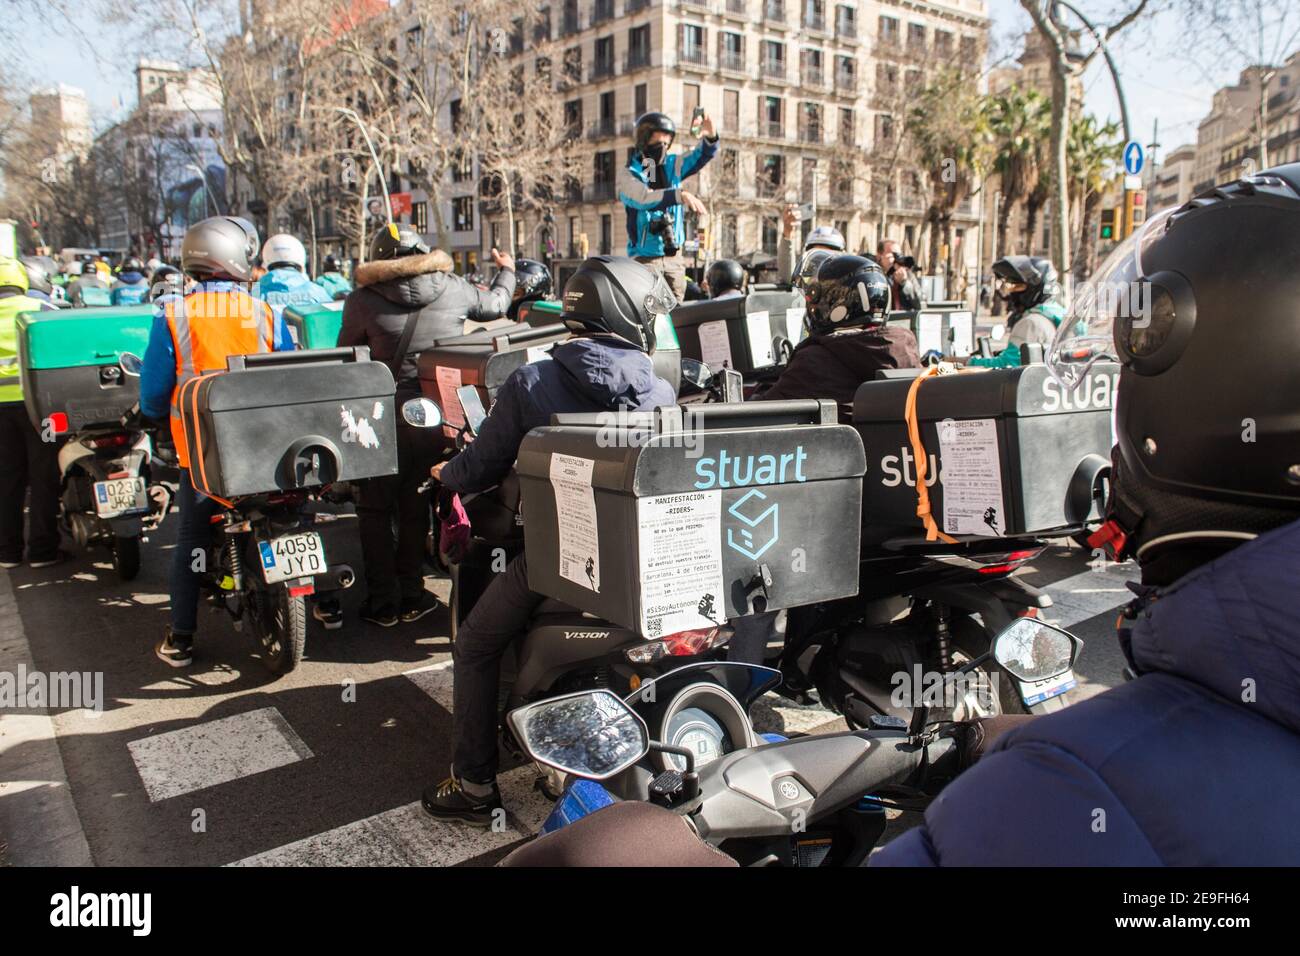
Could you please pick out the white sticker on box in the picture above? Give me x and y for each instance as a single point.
(794, 323)
(449, 380)
(963, 332)
(575, 515)
(715, 346)
(680, 553)
(972, 477)
(929, 332)
(759, 327)
(539, 353)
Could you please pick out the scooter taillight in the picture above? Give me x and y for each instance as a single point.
(120, 440)
(1004, 563)
(682, 644)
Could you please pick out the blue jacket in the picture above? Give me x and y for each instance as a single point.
(158, 377)
(645, 204)
(1194, 763)
(583, 375)
(131, 288)
(283, 286)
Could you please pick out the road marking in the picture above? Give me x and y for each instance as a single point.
(214, 752)
(1085, 595)
(434, 680)
(407, 836)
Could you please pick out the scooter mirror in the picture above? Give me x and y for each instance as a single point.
(590, 734)
(421, 413)
(1031, 650)
(131, 364)
(696, 374)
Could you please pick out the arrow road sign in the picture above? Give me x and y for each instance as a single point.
(1134, 157)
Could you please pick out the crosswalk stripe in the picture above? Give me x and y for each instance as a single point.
(407, 836)
(215, 752)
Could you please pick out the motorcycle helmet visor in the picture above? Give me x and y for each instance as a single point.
(660, 300)
(1114, 315)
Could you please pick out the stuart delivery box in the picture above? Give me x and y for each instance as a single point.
(68, 361)
(1009, 452)
(693, 515)
(288, 420)
(746, 333)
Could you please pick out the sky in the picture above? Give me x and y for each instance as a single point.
(1161, 81)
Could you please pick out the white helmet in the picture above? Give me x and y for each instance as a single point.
(825, 237)
(283, 249)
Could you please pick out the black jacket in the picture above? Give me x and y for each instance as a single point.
(833, 366)
(389, 290)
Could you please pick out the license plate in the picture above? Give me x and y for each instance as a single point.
(120, 496)
(1042, 690)
(292, 556)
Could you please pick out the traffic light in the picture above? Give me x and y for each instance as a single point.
(1135, 209)
(1107, 231)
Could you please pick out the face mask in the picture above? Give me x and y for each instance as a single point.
(655, 152)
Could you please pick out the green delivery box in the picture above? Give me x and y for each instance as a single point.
(315, 326)
(68, 362)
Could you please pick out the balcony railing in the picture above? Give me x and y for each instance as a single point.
(601, 69)
(635, 6)
(692, 56)
(766, 189)
(696, 4)
(846, 29)
(774, 11)
(815, 22)
(731, 61)
(813, 76)
(601, 11)
(739, 8)
(636, 58)
(773, 69)
(810, 134)
(771, 129)
(846, 82)
(601, 128)
(598, 191)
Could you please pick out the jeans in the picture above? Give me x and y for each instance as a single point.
(395, 568)
(27, 462)
(192, 543)
(498, 619)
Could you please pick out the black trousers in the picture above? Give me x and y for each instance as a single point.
(395, 565)
(27, 462)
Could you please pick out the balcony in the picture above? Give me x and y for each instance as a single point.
(774, 12)
(636, 58)
(773, 70)
(736, 8)
(846, 82)
(846, 30)
(730, 61)
(766, 189)
(569, 24)
(700, 6)
(815, 23)
(601, 128)
(693, 57)
(810, 134)
(635, 6)
(600, 70)
(599, 192)
(813, 76)
(771, 129)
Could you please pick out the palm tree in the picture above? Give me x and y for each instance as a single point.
(1019, 120)
(1092, 151)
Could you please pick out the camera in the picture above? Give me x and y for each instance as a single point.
(663, 228)
(907, 262)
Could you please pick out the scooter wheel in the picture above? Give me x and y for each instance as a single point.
(126, 557)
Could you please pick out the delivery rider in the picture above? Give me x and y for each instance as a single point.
(191, 336)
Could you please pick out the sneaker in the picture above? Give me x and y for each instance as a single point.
(425, 604)
(58, 558)
(448, 801)
(176, 650)
(329, 615)
(384, 617)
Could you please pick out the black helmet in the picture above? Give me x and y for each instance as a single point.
(849, 290)
(724, 276)
(329, 265)
(38, 274)
(649, 123)
(1208, 433)
(1036, 273)
(532, 280)
(166, 280)
(618, 296)
(396, 240)
(133, 264)
(220, 247)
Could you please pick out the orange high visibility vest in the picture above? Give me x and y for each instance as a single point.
(206, 328)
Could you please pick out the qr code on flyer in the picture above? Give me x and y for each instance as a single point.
(654, 626)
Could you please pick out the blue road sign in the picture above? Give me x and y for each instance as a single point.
(1134, 157)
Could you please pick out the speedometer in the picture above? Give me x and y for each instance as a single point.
(699, 732)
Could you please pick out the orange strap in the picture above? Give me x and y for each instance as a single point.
(932, 532)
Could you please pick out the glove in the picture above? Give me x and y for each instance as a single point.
(454, 529)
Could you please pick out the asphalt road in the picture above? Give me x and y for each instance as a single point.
(221, 764)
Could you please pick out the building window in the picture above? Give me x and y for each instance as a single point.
(769, 235)
(690, 100)
(420, 216)
(606, 234)
(575, 230)
(638, 47)
(770, 175)
(943, 43)
(639, 99)
(691, 48)
(727, 236)
(846, 21)
(462, 212)
(774, 59)
(731, 110)
(888, 30)
(496, 234)
(814, 14)
(916, 36)
(573, 117)
(603, 64)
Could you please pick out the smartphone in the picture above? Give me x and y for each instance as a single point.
(472, 404)
(697, 121)
(805, 211)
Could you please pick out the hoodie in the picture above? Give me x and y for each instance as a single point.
(389, 290)
(593, 374)
(1193, 763)
(288, 286)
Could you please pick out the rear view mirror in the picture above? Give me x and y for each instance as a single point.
(591, 734)
(696, 374)
(131, 364)
(421, 413)
(1032, 650)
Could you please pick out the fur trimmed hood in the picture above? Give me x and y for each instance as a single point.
(406, 267)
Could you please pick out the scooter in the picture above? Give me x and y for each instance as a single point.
(109, 495)
(810, 801)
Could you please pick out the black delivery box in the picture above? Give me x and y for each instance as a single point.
(747, 333)
(683, 521)
(1010, 452)
(287, 420)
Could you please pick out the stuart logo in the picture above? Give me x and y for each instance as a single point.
(730, 471)
(1095, 391)
(758, 530)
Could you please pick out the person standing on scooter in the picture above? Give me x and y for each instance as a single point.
(610, 305)
(190, 336)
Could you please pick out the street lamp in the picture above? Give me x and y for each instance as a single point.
(383, 182)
